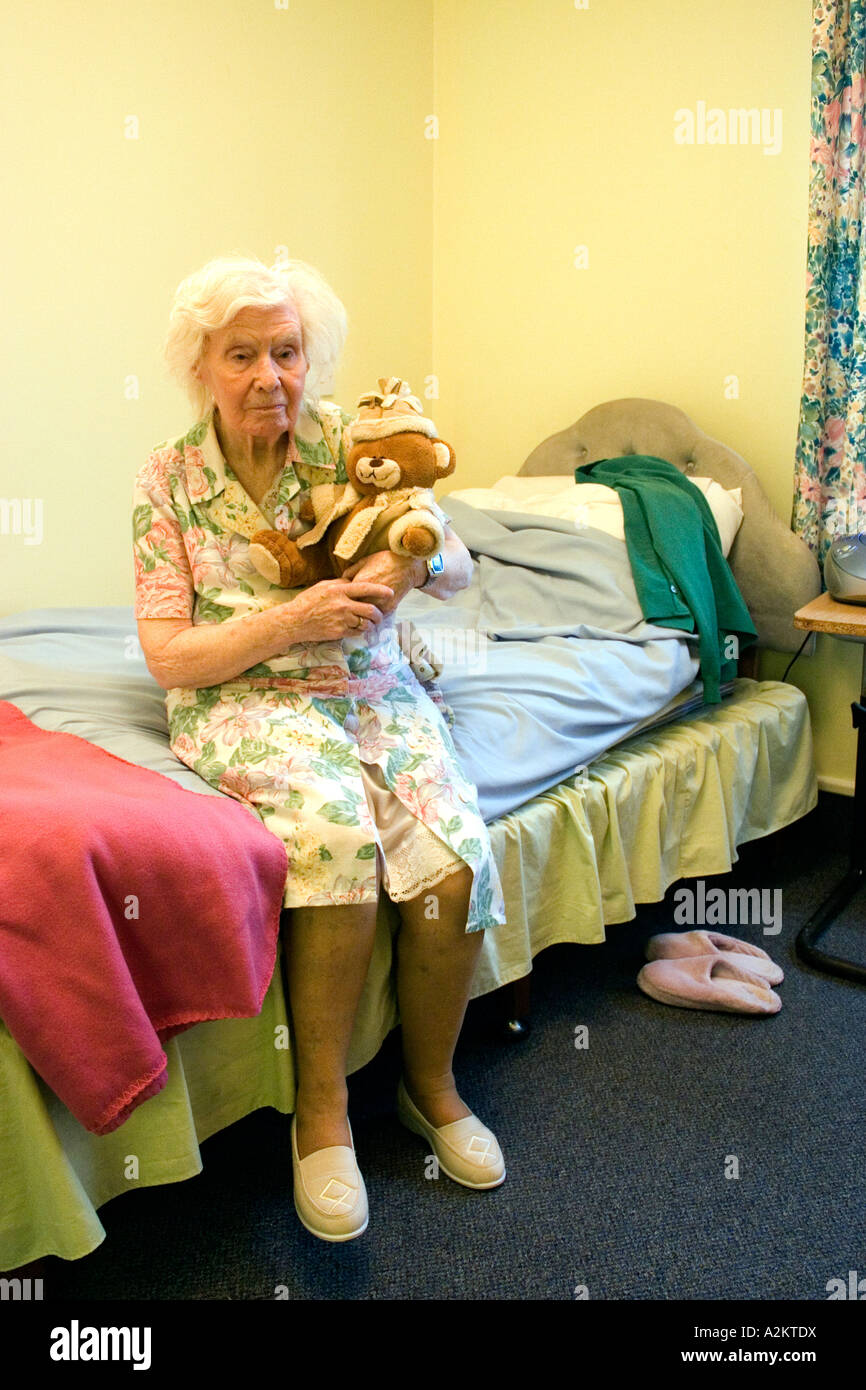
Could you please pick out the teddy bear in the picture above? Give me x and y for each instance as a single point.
(388, 502)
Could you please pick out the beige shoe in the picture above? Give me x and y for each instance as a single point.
(330, 1196)
(465, 1149)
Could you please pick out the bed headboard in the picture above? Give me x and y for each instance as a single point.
(775, 570)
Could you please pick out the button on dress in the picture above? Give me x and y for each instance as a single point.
(335, 745)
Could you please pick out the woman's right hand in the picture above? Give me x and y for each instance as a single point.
(333, 609)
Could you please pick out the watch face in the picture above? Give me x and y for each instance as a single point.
(436, 564)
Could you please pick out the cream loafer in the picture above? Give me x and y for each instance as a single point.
(330, 1196)
(465, 1149)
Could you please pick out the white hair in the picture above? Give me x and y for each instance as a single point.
(211, 297)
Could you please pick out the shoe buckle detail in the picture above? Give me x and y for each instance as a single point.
(337, 1195)
(480, 1147)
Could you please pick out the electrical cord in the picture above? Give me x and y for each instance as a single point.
(796, 654)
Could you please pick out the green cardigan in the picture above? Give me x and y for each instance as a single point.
(682, 578)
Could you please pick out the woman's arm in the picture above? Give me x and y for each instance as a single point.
(457, 573)
(404, 574)
(179, 653)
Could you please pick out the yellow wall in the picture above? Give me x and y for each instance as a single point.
(557, 131)
(308, 127)
(259, 127)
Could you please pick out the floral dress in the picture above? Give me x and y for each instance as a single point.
(335, 744)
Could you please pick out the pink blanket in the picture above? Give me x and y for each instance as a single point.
(129, 910)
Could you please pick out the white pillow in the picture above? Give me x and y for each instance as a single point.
(592, 504)
(580, 504)
(726, 506)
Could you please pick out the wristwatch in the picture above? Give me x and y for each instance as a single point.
(435, 566)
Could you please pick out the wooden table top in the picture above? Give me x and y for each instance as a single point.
(824, 614)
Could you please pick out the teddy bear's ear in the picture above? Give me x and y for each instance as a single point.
(445, 460)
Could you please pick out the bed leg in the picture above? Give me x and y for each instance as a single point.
(517, 1024)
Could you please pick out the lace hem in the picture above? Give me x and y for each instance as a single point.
(422, 862)
(428, 881)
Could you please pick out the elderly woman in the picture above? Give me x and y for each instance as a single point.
(300, 704)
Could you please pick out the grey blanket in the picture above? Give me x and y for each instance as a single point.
(547, 660)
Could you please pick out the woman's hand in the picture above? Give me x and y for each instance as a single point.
(336, 608)
(400, 573)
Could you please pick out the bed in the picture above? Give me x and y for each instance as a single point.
(594, 816)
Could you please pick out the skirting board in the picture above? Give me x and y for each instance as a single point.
(841, 786)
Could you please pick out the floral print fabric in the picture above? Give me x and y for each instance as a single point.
(830, 482)
(287, 737)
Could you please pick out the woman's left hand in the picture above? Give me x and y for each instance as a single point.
(401, 573)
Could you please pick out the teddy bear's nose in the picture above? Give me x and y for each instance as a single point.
(374, 463)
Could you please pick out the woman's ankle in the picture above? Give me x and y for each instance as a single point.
(436, 1097)
(427, 1086)
(322, 1121)
(321, 1097)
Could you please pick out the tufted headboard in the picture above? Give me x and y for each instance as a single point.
(776, 571)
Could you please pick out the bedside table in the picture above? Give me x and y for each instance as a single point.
(846, 621)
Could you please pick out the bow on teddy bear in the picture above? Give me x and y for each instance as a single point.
(393, 458)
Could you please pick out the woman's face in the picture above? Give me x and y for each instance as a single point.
(255, 369)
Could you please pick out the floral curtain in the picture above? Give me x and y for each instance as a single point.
(830, 473)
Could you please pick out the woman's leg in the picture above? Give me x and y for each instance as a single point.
(436, 959)
(328, 956)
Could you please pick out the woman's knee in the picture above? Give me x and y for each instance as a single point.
(446, 901)
(456, 885)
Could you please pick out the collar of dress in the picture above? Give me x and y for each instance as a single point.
(209, 478)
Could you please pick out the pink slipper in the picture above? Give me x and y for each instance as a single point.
(708, 982)
(675, 945)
